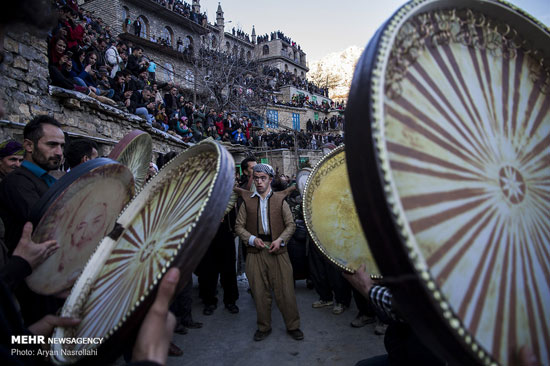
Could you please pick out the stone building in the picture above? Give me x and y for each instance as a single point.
(175, 63)
(24, 77)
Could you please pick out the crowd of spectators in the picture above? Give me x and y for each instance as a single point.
(240, 34)
(84, 56)
(286, 139)
(278, 78)
(277, 35)
(183, 8)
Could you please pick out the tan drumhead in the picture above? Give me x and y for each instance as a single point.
(331, 217)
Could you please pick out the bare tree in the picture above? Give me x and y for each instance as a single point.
(232, 83)
(324, 78)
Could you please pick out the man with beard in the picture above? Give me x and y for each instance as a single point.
(19, 191)
(43, 144)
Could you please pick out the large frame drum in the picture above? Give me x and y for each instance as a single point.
(77, 211)
(331, 217)
(447, 141)
(135, 150)
(170, 223)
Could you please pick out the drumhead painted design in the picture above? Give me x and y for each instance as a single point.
(160, 228)
(459, 126)
(330, 215)
(135, 150)
(78, 218)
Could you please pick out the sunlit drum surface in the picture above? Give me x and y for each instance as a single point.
(331, 217)
(156, 223)
(467, 136)
(135, 151)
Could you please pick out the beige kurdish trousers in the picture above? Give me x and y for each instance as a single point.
(272, 272)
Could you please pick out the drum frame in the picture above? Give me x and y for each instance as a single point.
(306, 207)
(210, 213)
(413, 288)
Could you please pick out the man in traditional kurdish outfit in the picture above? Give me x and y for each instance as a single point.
(266, 224)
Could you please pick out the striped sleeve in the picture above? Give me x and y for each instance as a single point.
(381, 298)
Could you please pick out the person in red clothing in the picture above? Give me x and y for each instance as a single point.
(248, 125)
(58, 45)
(219, 125)
(75, 32)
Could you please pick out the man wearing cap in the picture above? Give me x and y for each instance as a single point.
(11, 156)
(266, 224)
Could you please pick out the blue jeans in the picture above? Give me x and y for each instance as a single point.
(105, 92)
(144, 113)
(79, 81)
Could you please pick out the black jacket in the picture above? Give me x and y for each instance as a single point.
(19, 191)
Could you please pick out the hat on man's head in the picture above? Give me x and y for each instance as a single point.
(10, 147)
(264, 168)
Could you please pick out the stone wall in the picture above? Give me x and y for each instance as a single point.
(170, 66)
(285, 116)
(25, 94)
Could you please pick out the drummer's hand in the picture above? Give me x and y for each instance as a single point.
(259, 243)
(275, 245)
(158, 326)
(45, 325)
(360, 280)
(32, 252)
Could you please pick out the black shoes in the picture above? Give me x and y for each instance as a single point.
(183, 327)
(174, 351)
(180, 329)
(232, 308)
(193, 325)
(209, 309)
(260, 336)
(296, 334)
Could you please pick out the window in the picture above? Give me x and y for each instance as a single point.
(265, 50)
(272, 118)
(296, 121)
(295, 71)
(214, 41)
(168, 72)
(144, 30)
(228, 47)
(125, 13)
(188, 43)
(248, 56)
(168, 35)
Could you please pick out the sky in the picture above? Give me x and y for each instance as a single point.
(321, 27)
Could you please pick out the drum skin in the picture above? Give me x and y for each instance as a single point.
(331, 217)
(135, 150)
(168, 224)
(78, 211)
(447, 130)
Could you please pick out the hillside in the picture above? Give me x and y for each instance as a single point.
(335, 70)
